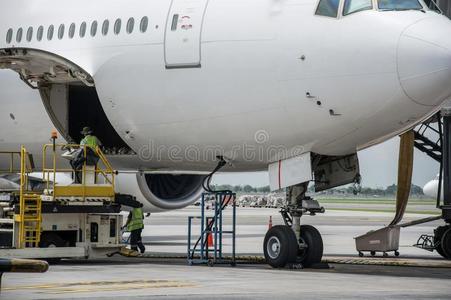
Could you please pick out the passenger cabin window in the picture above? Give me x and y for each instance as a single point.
(144, 24)
(40, 33)
(61, 32)
(399, 5)
(71, 30)
(328, 8)
(130, 25)
(82, 30)
(50, 32)
(9, 36)
(105, 27)
(352, 6)
(93, 28)
(117, 26)
(19, 35)
(29, 34)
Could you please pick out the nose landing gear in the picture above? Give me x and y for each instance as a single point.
(293, 243)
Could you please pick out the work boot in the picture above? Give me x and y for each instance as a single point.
(142, 249)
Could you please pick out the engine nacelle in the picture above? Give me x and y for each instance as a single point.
(160, 192)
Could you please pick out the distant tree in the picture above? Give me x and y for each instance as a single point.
(263, 189)
(391, 189)
(248, 189)
(237, 188)
(416, 190)
(350, 190)
(366, 191)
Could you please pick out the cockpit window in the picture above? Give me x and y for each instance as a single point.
(328, 8)
(352, 6)
(399, 4)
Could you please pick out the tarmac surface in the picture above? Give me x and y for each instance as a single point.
(427, 276)
(167, 232)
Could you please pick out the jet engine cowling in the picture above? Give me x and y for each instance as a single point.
(160, 192)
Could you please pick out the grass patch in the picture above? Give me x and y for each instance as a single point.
(422, 212)
(374, 201)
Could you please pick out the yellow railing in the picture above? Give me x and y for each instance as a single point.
(14, 161)
(103, 173)
(25, 169)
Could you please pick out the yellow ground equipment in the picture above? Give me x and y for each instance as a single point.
(70, 219)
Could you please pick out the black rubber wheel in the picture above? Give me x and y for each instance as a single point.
(373, 253)
(396, 253)
(360, 254)
(313, 253)
(280, 246)
(49, 240)
(446, 243)
(438, 236)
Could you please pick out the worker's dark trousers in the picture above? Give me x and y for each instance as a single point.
(136, 241)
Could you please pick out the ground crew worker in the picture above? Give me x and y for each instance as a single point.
(89, 139)
(91, 158)
(135, 224)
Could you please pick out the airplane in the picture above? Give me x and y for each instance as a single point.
(295, 87)
(430, 189)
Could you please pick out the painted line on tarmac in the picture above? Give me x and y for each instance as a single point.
(101, 286)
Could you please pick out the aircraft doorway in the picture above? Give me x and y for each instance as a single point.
(72, 107)
(183, 31)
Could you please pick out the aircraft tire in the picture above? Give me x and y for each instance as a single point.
(280, 246)
(314, 252)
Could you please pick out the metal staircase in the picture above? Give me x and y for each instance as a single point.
(428, 138)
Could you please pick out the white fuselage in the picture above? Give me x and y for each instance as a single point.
(244, 68)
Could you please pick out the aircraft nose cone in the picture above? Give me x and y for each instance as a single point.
(424, 61)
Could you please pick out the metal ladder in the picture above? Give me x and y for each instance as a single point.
(213, 226)
(428, 138)
(30, 220)
(30, 217)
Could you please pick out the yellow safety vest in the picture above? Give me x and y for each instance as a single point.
(137, 220)
(91, 141)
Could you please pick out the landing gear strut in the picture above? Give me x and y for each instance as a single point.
(294, 243)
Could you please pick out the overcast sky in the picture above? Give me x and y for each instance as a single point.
(378, 166)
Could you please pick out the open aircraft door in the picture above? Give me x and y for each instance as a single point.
(183, 32)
